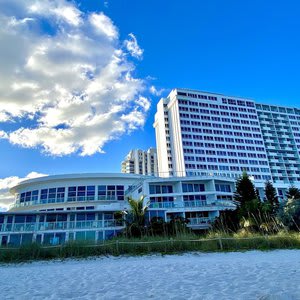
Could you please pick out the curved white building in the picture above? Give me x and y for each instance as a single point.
(55, 209)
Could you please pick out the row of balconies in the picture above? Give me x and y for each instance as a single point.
(53, 226)
(69, 199)
(45, 226)
(198, 203)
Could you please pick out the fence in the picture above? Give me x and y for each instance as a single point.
(162, 246)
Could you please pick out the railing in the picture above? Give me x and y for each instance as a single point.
(180, 174)
(196, 203)
(200, 221)
(44, 226)
(68, 199)
(161, 205)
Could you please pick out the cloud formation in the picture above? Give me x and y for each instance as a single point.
(156, 92)
(66, 78)
(6, 183)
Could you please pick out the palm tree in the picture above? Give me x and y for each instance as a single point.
(136, 216)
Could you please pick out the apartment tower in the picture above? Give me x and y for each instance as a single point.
(201, 133)
(140, 162)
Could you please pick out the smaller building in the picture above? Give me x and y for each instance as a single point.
(140, 162)
(56, 209)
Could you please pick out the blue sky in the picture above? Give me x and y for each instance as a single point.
(242, 48)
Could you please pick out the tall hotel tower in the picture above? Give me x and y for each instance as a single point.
(200, 133)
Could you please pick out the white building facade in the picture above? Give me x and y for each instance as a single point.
(140, 162)
(199, 133)
(56, 209)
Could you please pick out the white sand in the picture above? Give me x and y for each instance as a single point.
(250, 275)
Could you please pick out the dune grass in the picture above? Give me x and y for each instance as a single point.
(213, 242)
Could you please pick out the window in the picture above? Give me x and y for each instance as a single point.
(191, 188)
(81, 193)
(160, 189)
(111, 192)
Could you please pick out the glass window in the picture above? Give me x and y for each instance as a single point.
(164, 189)
(31, 219)
(157, 189)
(27, 238)
(72, 191)
(35, 195)
(90, 216)
(121, 197)
(80, 236)
(90, 235)
(61, 217)
(102, 190)
(108, 216)
(44, 194)
(80, 217)
(28, 196)
(19, 219)
(15, 239)
(51, 218)
(190, 188)
(91, 188)
(22, 198)
(152, 189)
(52, 193)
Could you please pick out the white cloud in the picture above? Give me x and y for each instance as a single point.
(133, 47)
(155, 91)
(6, 199)
(60, 9)
(74, 82)
(103, 25)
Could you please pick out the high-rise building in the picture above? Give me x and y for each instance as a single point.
(200, 133)
(140, 162)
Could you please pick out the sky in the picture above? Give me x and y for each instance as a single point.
(80, 80)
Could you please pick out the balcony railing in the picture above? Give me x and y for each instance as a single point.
(200, 221)
(68, 199)
(196, 203)
(162, 205)
(44, 226)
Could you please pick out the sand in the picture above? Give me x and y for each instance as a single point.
(249, 275)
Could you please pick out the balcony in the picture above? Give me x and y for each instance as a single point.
(162, 205)
(197, 203)
(200, 222)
